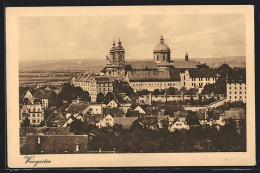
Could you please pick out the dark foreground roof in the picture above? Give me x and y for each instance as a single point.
(126, 122)
(51, 144)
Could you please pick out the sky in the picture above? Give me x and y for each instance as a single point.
(91, 37)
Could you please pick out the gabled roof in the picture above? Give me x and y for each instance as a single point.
(126, 122)
(141, 65)
(185, 64)
(202, 73)
(77, 107)
(149, 76)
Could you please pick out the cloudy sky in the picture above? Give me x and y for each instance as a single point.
(90, 37)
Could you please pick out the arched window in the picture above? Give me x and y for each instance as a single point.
(157, 57)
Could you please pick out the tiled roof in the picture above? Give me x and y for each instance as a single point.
(44, 130)
(140, 65)
(185, 64)
(164, 63)
(150, 120)
(200, 73)
(77, 107)
(237, 76)
(126, 122)
(102, 79)
(146, 76)
(50, 144)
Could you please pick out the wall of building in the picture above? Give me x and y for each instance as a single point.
(151, 86)
(236, 92)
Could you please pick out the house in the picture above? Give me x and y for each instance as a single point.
(28, 98)
(34, 112)
(179, 125)
(235, 113)
(56, 119)
(150, 122)
(198, 78)
(126, 122)
(94, 84)
(112, 104)
(140, 110)
(43, 97)
(54, 144)
(127, 99)
(125, 105)
(108, 120)
(76, 108)
(236, 86)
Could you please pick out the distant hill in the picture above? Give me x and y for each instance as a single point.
(98, 64)
(77, 64)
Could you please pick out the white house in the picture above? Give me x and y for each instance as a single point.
(35, 113)
(108, 120)
(140, 109)
(179, 125)
(112, 104)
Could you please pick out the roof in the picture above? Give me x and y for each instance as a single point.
(164, 63)
(150, 120)
(102, 79)
(185, 64)
(235, 114)
(42, 94)
(77, 107)
(161, 47)
(199, 73)
(44, 130)
(50, 144)
(56, 118)
(141, 65)
(83, 77)
(126, 122)
(237, 76)
(147, 76)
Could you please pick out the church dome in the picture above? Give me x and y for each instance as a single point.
(161, 47)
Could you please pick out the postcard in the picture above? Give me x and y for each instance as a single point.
(130, 86)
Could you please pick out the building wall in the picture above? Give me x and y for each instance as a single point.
(35, 114)
(236, 92)
(150, 86)
(189, 82)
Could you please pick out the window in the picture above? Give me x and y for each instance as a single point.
(230, 97)
(33, 115)
(235, 92)
(184, 83)
(240, 92)
(230, 92)
(235, 97)
(235, 88)
(33, 121)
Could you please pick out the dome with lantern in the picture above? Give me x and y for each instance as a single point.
(161, 47)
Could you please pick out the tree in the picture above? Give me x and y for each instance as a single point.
(108, 97)
(85, 96)
(172, 91)
(192, 119)
(100, 98)
(26, 122)
(77, 127)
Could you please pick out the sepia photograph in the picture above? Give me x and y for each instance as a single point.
(143, 82)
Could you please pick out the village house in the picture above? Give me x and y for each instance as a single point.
(108, 120)
(126, 122)
(112, 104)
(56, 119)
(34, 112)
(178, 125)
(139, 109)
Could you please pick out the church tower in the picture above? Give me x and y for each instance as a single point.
(112, 53)
(186, 56)
(119, 54)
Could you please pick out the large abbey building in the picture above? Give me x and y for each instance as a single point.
(161, 72)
